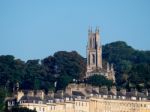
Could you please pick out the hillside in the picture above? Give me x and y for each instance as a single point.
(132, 69)
(132, 66)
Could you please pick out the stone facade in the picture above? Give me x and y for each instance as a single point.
(94, 57)
(76, 103)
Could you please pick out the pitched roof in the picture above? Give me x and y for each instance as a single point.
(77, 93)
(30, 98)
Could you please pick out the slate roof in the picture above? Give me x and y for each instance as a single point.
(10, 99)
(77, 93)
(103, 93)
(46, 97)
(30, 98)
(94, 92)
(110, 93)
(142, 95)
(120, 93)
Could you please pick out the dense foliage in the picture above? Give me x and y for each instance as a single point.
(132, 66)
(2, 97)
(132, 69)
(99, 80)
(36, 74)
(21, 109)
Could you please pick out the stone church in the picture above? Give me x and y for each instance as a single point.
(94, 57)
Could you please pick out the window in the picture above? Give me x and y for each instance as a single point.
(76, 103)
(93, 43)
(93, 56)
(89, 59)
(90, 43)
(82, 104)
(40, 102)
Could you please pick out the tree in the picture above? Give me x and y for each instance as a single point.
(99, 80)
(133, 63)
(63, 81)
(132, 67)
(2, 97)
(71, 64)
(32, 75)
(21, 109)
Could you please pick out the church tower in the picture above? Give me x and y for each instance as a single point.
(94, 52)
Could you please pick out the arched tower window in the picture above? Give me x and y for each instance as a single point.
(93, 43)
(90, 43)
(89, 60)
(93, 56)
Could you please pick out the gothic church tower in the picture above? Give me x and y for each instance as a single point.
(94, 57)
(94, 52)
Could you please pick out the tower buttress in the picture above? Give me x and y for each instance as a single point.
(108, 67)
(112, 67)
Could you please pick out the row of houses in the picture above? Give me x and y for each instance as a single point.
(83, 99)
